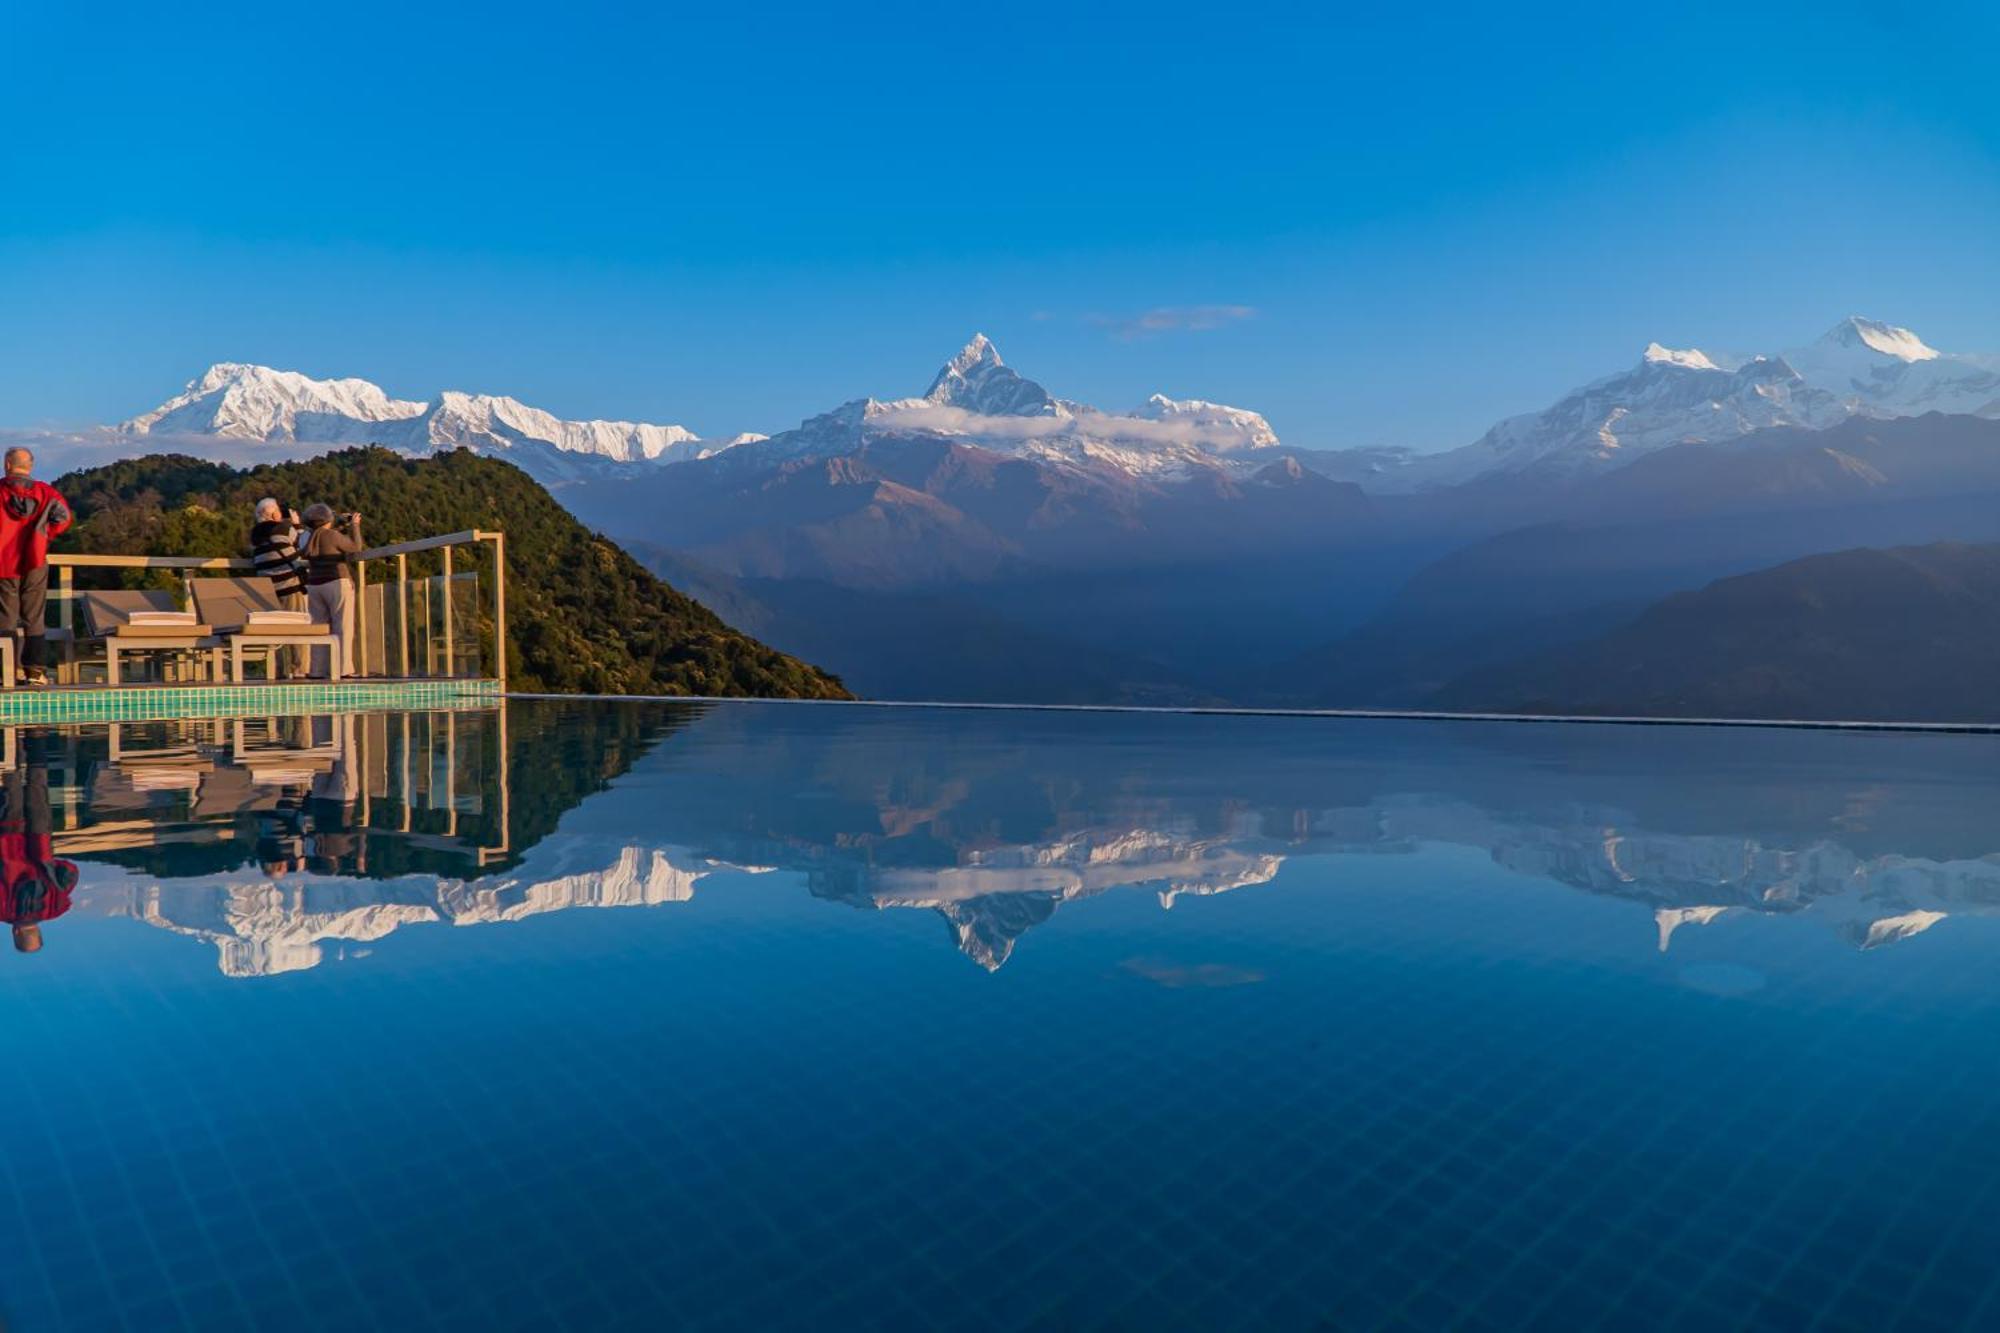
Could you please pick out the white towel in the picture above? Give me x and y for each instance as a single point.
(282, 777)
(279, 618)
(165, 779)
(162, 618)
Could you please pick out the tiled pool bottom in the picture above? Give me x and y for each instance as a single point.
(1403, 1087)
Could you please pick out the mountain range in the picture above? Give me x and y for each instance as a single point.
(245, 402)
(1858, 368)
(988, 538)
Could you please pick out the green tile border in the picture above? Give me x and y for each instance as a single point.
(132, 703)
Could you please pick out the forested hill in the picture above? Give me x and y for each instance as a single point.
(582, 615)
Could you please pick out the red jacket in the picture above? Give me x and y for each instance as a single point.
(34, 884)
(31, 512)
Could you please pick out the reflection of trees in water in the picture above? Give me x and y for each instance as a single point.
(561, 753)
(382, 794)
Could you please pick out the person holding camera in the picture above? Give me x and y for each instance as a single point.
(274, 551)
(331, 545)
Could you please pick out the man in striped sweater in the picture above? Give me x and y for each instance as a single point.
(275, 553)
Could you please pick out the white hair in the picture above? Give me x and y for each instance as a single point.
(268, 508)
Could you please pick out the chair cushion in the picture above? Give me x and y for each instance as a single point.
(125, 632)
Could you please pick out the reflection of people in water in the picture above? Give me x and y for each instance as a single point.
(336, 845)
(34, 885)
(281, 834)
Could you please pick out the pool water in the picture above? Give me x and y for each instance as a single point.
(763, 1016)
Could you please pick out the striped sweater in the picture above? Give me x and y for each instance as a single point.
(274, 551)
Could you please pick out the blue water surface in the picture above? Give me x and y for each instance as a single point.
(758, 1016)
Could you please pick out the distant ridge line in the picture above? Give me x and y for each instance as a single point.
(1373, 714)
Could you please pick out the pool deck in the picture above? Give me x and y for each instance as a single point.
(99, 703)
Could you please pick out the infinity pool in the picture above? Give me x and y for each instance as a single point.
(766, 1016)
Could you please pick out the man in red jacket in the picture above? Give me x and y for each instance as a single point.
(31, 512)
(35, 884)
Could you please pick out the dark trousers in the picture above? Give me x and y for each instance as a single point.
(24, 606)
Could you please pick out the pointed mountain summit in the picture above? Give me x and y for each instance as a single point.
(977, 380)
(1875, 336)
(1693, 358)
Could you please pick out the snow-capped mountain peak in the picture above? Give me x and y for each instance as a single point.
(1887, 339)
(980, 351)
(464, 419)
(1223, 429)
(1691, 357)
(1860, 367)
(239, 401)
(256, 402)
(977, 380)
(977, 400)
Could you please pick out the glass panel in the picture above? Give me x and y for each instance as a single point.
(468, 621)
(379, 625)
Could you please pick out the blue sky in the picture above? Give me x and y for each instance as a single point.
(1436, 215)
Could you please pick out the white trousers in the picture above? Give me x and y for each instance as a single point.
(333, 604)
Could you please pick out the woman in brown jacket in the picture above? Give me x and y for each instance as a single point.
(329, 552)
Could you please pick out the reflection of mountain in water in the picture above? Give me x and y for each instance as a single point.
(1694, 879)
(995, 821)
(996, 894)
(261, 927)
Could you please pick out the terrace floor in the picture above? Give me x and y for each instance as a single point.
(96, 703)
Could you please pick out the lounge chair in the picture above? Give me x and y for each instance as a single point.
(130, 620)
(247, 613)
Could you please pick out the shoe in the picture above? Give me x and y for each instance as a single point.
(35, 678)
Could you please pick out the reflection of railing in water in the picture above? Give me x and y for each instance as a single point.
(427, 627)
(422, 780)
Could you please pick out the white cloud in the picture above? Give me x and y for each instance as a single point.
(916, 414)
(60, 451)
(1173, 319)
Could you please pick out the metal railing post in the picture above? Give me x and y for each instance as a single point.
(444, 611)
(500, 608)
(402, 613)
(360, 649)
